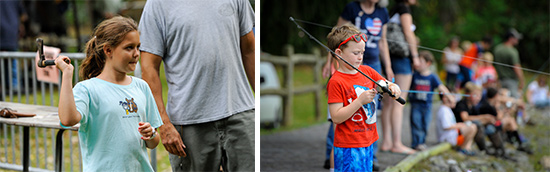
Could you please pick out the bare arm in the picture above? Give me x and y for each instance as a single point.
(519, 74)
(68, 115)
(454, 127)
(247, 52)
(171, 139)
(485, 119)
(406, 23)
(442, 88)
(385, 54)
(326, 67)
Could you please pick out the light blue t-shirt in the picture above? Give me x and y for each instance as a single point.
(108, 133)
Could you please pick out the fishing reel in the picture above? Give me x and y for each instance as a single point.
(382, 87)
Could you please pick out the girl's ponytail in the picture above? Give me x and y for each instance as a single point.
(94, 62)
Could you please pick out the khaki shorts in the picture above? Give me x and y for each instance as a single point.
(227, 142)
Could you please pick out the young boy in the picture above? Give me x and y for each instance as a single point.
(457, 134)
(350, 98)
(421, 103)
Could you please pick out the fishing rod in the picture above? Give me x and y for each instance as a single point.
(42, 62)
(383, 88)
(440, 51)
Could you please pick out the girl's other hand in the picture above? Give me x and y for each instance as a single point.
(145, 130)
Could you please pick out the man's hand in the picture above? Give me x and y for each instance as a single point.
(171, 140)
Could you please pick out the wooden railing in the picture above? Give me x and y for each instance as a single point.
(288, 90)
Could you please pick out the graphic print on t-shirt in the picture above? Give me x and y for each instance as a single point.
(129, 106)
(373, 25)
(369, 109)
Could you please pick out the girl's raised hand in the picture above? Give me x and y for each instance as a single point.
(62, 65)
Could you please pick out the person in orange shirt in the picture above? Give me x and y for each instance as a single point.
(468, 62)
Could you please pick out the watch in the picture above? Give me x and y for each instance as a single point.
(154, 135)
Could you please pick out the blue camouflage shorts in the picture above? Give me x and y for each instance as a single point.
(353, 159)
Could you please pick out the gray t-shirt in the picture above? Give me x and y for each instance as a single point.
(199, 42)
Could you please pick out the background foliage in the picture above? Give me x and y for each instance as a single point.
(436, 21)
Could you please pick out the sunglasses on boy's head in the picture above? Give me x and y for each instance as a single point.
(356, 37)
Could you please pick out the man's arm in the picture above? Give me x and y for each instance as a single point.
(247, 52)
(171, 139)
(519, 74)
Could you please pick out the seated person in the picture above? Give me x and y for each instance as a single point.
(537, 93)
(448, 130)
(466, 110)
(500, 103)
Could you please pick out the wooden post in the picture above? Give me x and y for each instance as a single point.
(317, 72)
(287, 100)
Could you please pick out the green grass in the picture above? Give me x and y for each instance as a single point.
(303, 107)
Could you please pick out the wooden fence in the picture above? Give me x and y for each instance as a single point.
(288, 90)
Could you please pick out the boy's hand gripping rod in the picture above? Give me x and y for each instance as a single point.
(43, 62)
(383, 88)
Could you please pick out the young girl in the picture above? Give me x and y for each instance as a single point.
(117, 113)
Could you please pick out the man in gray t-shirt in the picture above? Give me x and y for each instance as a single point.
(208, 51)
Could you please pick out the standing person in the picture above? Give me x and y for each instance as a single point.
(506, 53)
(468, 62)
(208, 54)
(13, 14)
(451, 57)
(371, 19)
(393, 118)
(448, 130)
(117, 113)
(421, 103)
(351, 104)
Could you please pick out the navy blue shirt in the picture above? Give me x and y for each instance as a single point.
(9, 24)
(423, 83)
(370, 24)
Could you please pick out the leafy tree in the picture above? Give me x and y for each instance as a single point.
(437, 22)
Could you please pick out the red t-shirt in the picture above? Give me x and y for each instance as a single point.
(360, 129)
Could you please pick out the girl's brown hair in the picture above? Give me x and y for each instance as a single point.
(110, 33)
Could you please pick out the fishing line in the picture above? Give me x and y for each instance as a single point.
(441, 51)
(384, 88)
(433, 92)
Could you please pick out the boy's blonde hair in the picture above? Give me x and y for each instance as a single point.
(340, 34)
(488, 57)
(471, 87)
(426, 55)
